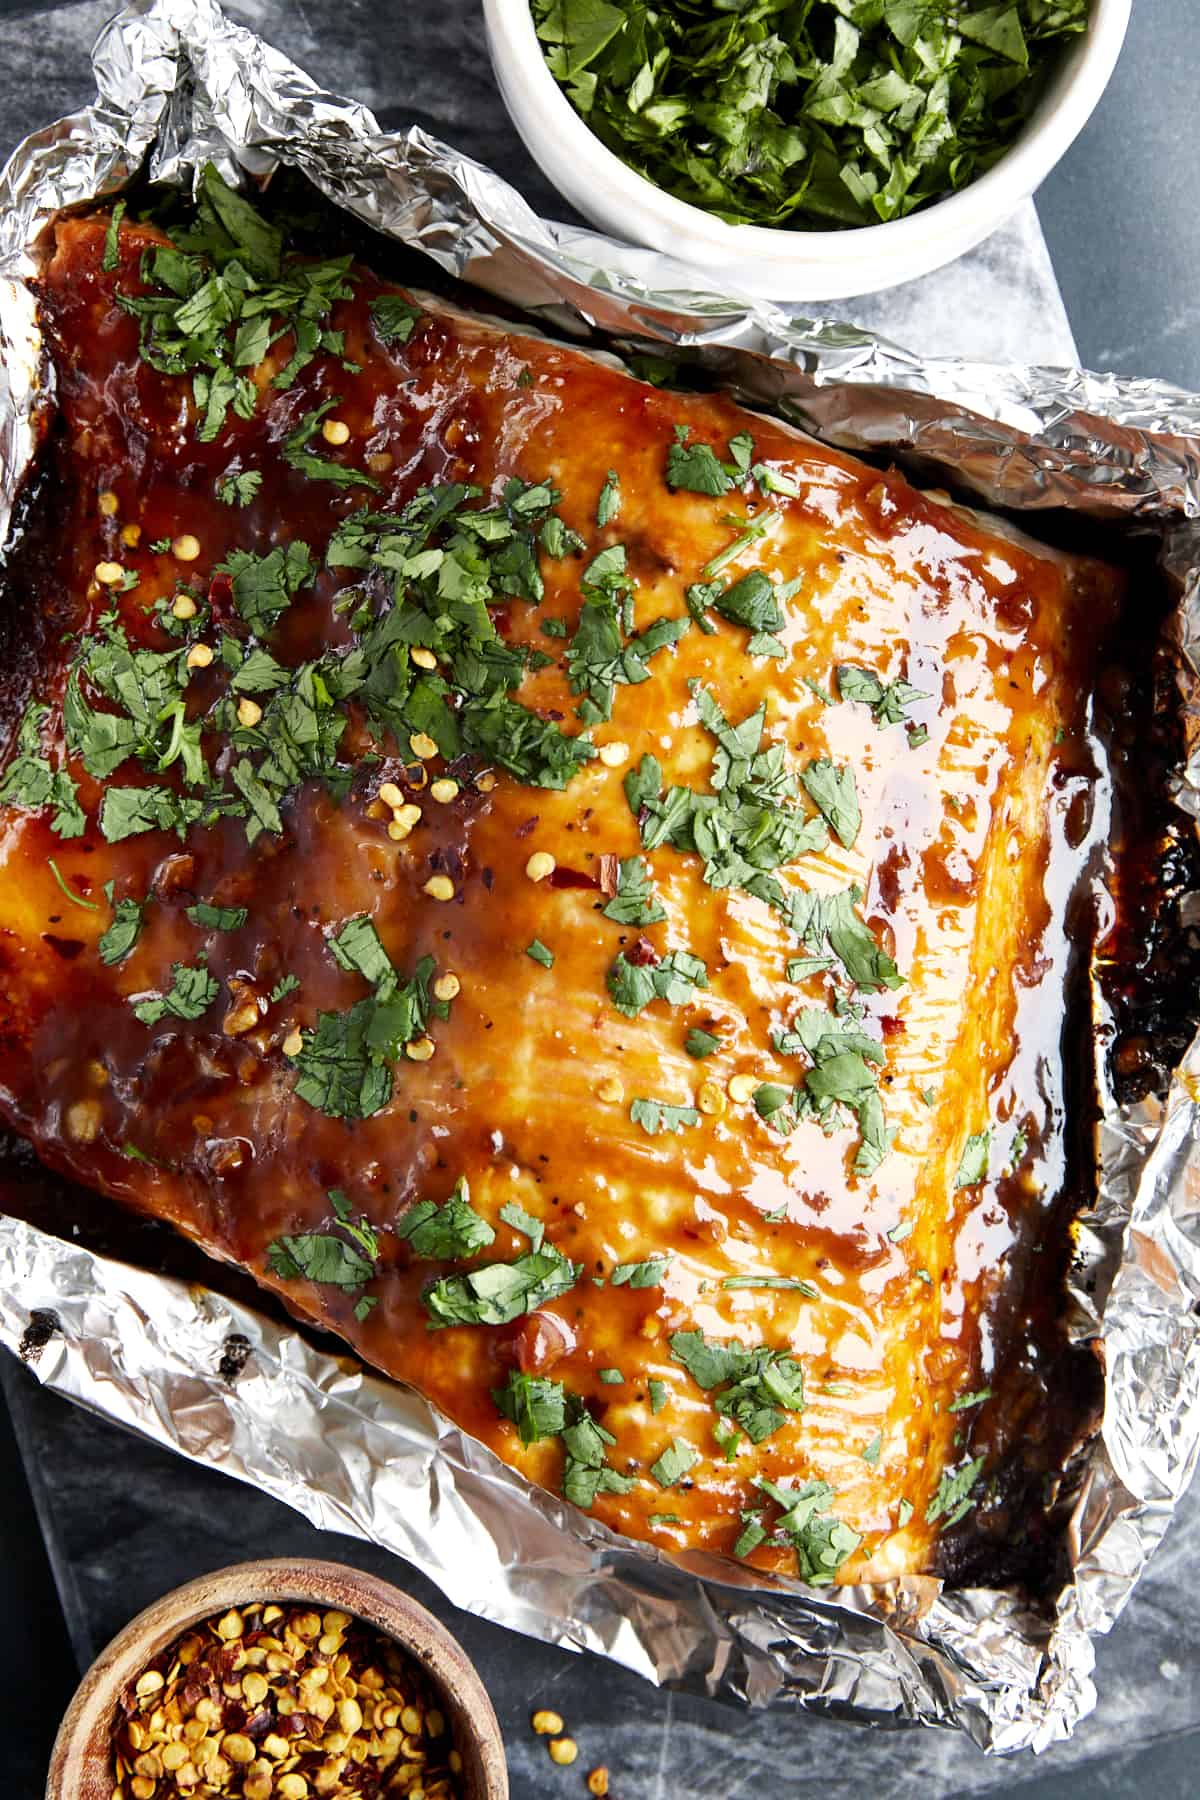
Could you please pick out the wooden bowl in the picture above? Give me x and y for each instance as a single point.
(81, 1766)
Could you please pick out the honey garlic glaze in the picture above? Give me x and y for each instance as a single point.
(895, 1301)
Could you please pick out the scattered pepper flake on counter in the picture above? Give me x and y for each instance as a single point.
(270, 1702)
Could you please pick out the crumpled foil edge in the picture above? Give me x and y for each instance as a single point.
(178, 83)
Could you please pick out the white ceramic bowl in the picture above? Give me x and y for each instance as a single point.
(792, 265)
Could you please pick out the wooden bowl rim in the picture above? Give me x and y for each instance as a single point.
(80, 1762)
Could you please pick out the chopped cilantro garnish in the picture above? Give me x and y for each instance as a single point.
(641, 1274)
(72, 896)
(785, 1283)
(673, 978)
(904, 1513)
(517, 1219)
(394, 318)
(757, 1387)
(239, 489)
(319, 468)
(496, 1293)
(343, 1064)
(889, 702)
(655, 1115)
(675, 1462)
(966, 1401)
(700, 1044)
(265, 586)
(953, 1498)
(287, 985)
(634, 902)
(1017, 1149)
(832, 790)
(344, 1257)
(112, 238)
(695, 467)
(31, 783)
(822, 1542)
(611, 1377)
(973, 1163)
(609, 503)
(870, 1452)
(221, 294)
(818, 919)
(602, 655)
(836, 113)
(541, 1408)
(657, 1391)
(126, 927)
(191, 993)
(217, 918)
(536, 1405)
(446, 1232)
(540, 954)
(586, 1471)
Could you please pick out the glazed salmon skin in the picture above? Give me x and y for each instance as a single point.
(564, 881)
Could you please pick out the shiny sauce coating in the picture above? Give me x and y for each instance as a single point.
(901, 1293)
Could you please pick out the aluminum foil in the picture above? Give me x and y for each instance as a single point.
(178, 84)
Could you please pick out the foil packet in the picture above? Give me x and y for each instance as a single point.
(179, 84)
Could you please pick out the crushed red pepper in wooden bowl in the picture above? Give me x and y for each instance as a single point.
(268, 1702)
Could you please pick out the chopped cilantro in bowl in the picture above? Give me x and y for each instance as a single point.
(807, 114)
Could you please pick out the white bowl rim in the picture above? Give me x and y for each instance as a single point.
(1091, 61)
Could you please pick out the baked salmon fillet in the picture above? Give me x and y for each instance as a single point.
(564, 881)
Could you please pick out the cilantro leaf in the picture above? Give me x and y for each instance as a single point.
(112, 238)
(973, 1163)
(953, 1497)
(335, 1071)
(217, 918)
(30, 783)
(889, 702)
(832, 790)
(447, 1232)
(673, 978)
(833, 114)
(586, 1470)
(676, 1460)
(191, 993)
(757, 1386)
(634, 902)
(265, 586)
(319, 468)
(536, 1405)
(641, 1274)
(125, 930)
(655, 1116)
(394, 318)
(695, 467)
(822, 1542)
(700, 1044)
(609, 503)
(497, 1293)
(239, 489)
